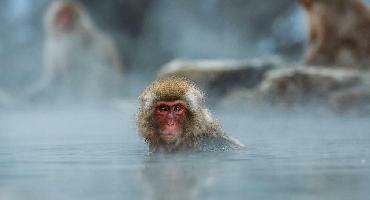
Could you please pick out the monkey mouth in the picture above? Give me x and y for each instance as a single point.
(170, 134)
(168, 137)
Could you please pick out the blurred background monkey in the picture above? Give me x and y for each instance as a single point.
(339, 33)
(80, 62)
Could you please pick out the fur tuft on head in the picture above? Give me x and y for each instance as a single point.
(172, 89)
(147, 100)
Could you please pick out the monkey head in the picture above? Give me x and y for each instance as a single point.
(65, 16)
(171, 113)
(172, 118)
(306, 3)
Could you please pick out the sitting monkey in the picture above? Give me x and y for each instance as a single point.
(81, 63)
(339, 33)
(171, 118)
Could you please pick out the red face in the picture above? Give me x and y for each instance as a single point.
(65, 19)
(170, 116)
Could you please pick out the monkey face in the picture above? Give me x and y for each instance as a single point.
(65, 18)
(306, 3)
(170, 117)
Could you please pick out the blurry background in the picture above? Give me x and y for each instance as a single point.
(73, 153)
(150, 33)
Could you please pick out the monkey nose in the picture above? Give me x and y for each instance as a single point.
(171, 122)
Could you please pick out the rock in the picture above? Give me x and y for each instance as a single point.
(219, 77)
(305, 84)
(241, 99)
(354, 100)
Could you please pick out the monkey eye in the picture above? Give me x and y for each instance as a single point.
(177, 108)
(163, 108)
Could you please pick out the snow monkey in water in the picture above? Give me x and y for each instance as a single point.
(339, 33)
(80, 61)
(172, 118)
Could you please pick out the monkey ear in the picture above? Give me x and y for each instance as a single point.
(147, 100)
(306, 3)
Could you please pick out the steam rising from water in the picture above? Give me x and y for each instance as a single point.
(171, 29)
(93, 152)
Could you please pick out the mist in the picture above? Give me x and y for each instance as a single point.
(62, 147)
(164, 31)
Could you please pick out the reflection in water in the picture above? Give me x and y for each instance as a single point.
(177, 176)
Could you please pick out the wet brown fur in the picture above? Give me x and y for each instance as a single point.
(199, 122)
(339, 33)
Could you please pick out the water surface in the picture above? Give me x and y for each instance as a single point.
(77, 154)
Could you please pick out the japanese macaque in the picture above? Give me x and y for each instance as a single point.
(80, 61)
(171, 118)
(339, 33)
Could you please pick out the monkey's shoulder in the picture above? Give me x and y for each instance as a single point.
(218, 143)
